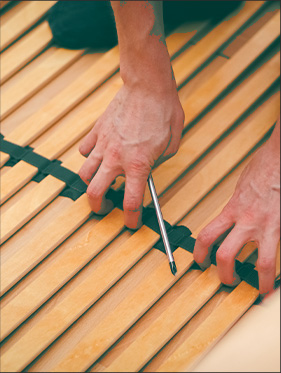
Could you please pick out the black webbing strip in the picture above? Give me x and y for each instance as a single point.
(75, 187)
(179, 235)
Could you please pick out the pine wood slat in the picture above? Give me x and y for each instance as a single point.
(255, 128)
(212, 329)
(23, 20)
(199, 99)
(14, 58)
(200, 216)
(39, 122)
(172, 44)
(3, 3)
(57, 184)
(56, 275)
(18, 6)
(246, 55)
(197, 216)
(76, 358)
(10, 223)
(211, 42)
(188, 152)
(36, 79)
(230, 157)
(143, 296)
(171, 320)
(83, 354)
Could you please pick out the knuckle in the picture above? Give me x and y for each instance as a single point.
(114, 155)
(138, 166)
(131, 204)
(94, 193)
(266, 264)
(223, 256)
(204, 238)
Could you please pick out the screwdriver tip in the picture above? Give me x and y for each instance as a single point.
(173, 268)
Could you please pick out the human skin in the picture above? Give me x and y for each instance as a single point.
(254, 210)
(142, 127)
(144, 122)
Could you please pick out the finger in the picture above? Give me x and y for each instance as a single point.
(266, 263)
(227, 252)
(134, 193)
(209, 236)
(90, 166)
(98, 187)
(88, 143)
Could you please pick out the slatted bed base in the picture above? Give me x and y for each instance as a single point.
(80, 292)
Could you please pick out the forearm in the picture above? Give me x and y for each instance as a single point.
(144, 58)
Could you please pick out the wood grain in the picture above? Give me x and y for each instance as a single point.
(14, 58)
(195, 56)
(171, 320)
(23, 20)
(212, 329)
(30, 129)
(36, 79)
(147, 292)
(192, 106)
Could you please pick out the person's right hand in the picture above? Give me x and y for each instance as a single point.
(142, 126)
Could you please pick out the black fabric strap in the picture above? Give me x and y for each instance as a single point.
(75, 187)
(179, 236)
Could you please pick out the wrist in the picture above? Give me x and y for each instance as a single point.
(151, 70)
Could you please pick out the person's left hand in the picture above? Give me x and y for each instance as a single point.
(254, 210)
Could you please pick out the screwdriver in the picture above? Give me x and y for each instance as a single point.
(162, 226)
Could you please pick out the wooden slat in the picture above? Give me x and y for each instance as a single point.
(212, 329)
(171, 320)
(30, 129)
(197, 216)
(173, 43)
(36, 79)
(242, 59)
(12, 228)
(14, 58)
(237, 103)
(70, 262)
(23, 20)
(3, 3)
(198, 143)
(246, 55)
(86, 83)
(78, 354)
(192, 59)
(159, 281)
(209, 207)
(67, 274)
(199, 99)
(4, 157)
(59, 185)
(254, 127)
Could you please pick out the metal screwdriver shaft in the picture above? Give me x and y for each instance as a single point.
(162, 226)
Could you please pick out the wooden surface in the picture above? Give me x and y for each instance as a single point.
(23, 20)
(81, 292)
(14, 58)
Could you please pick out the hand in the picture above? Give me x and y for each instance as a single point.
(140, 127)
(254, 210)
